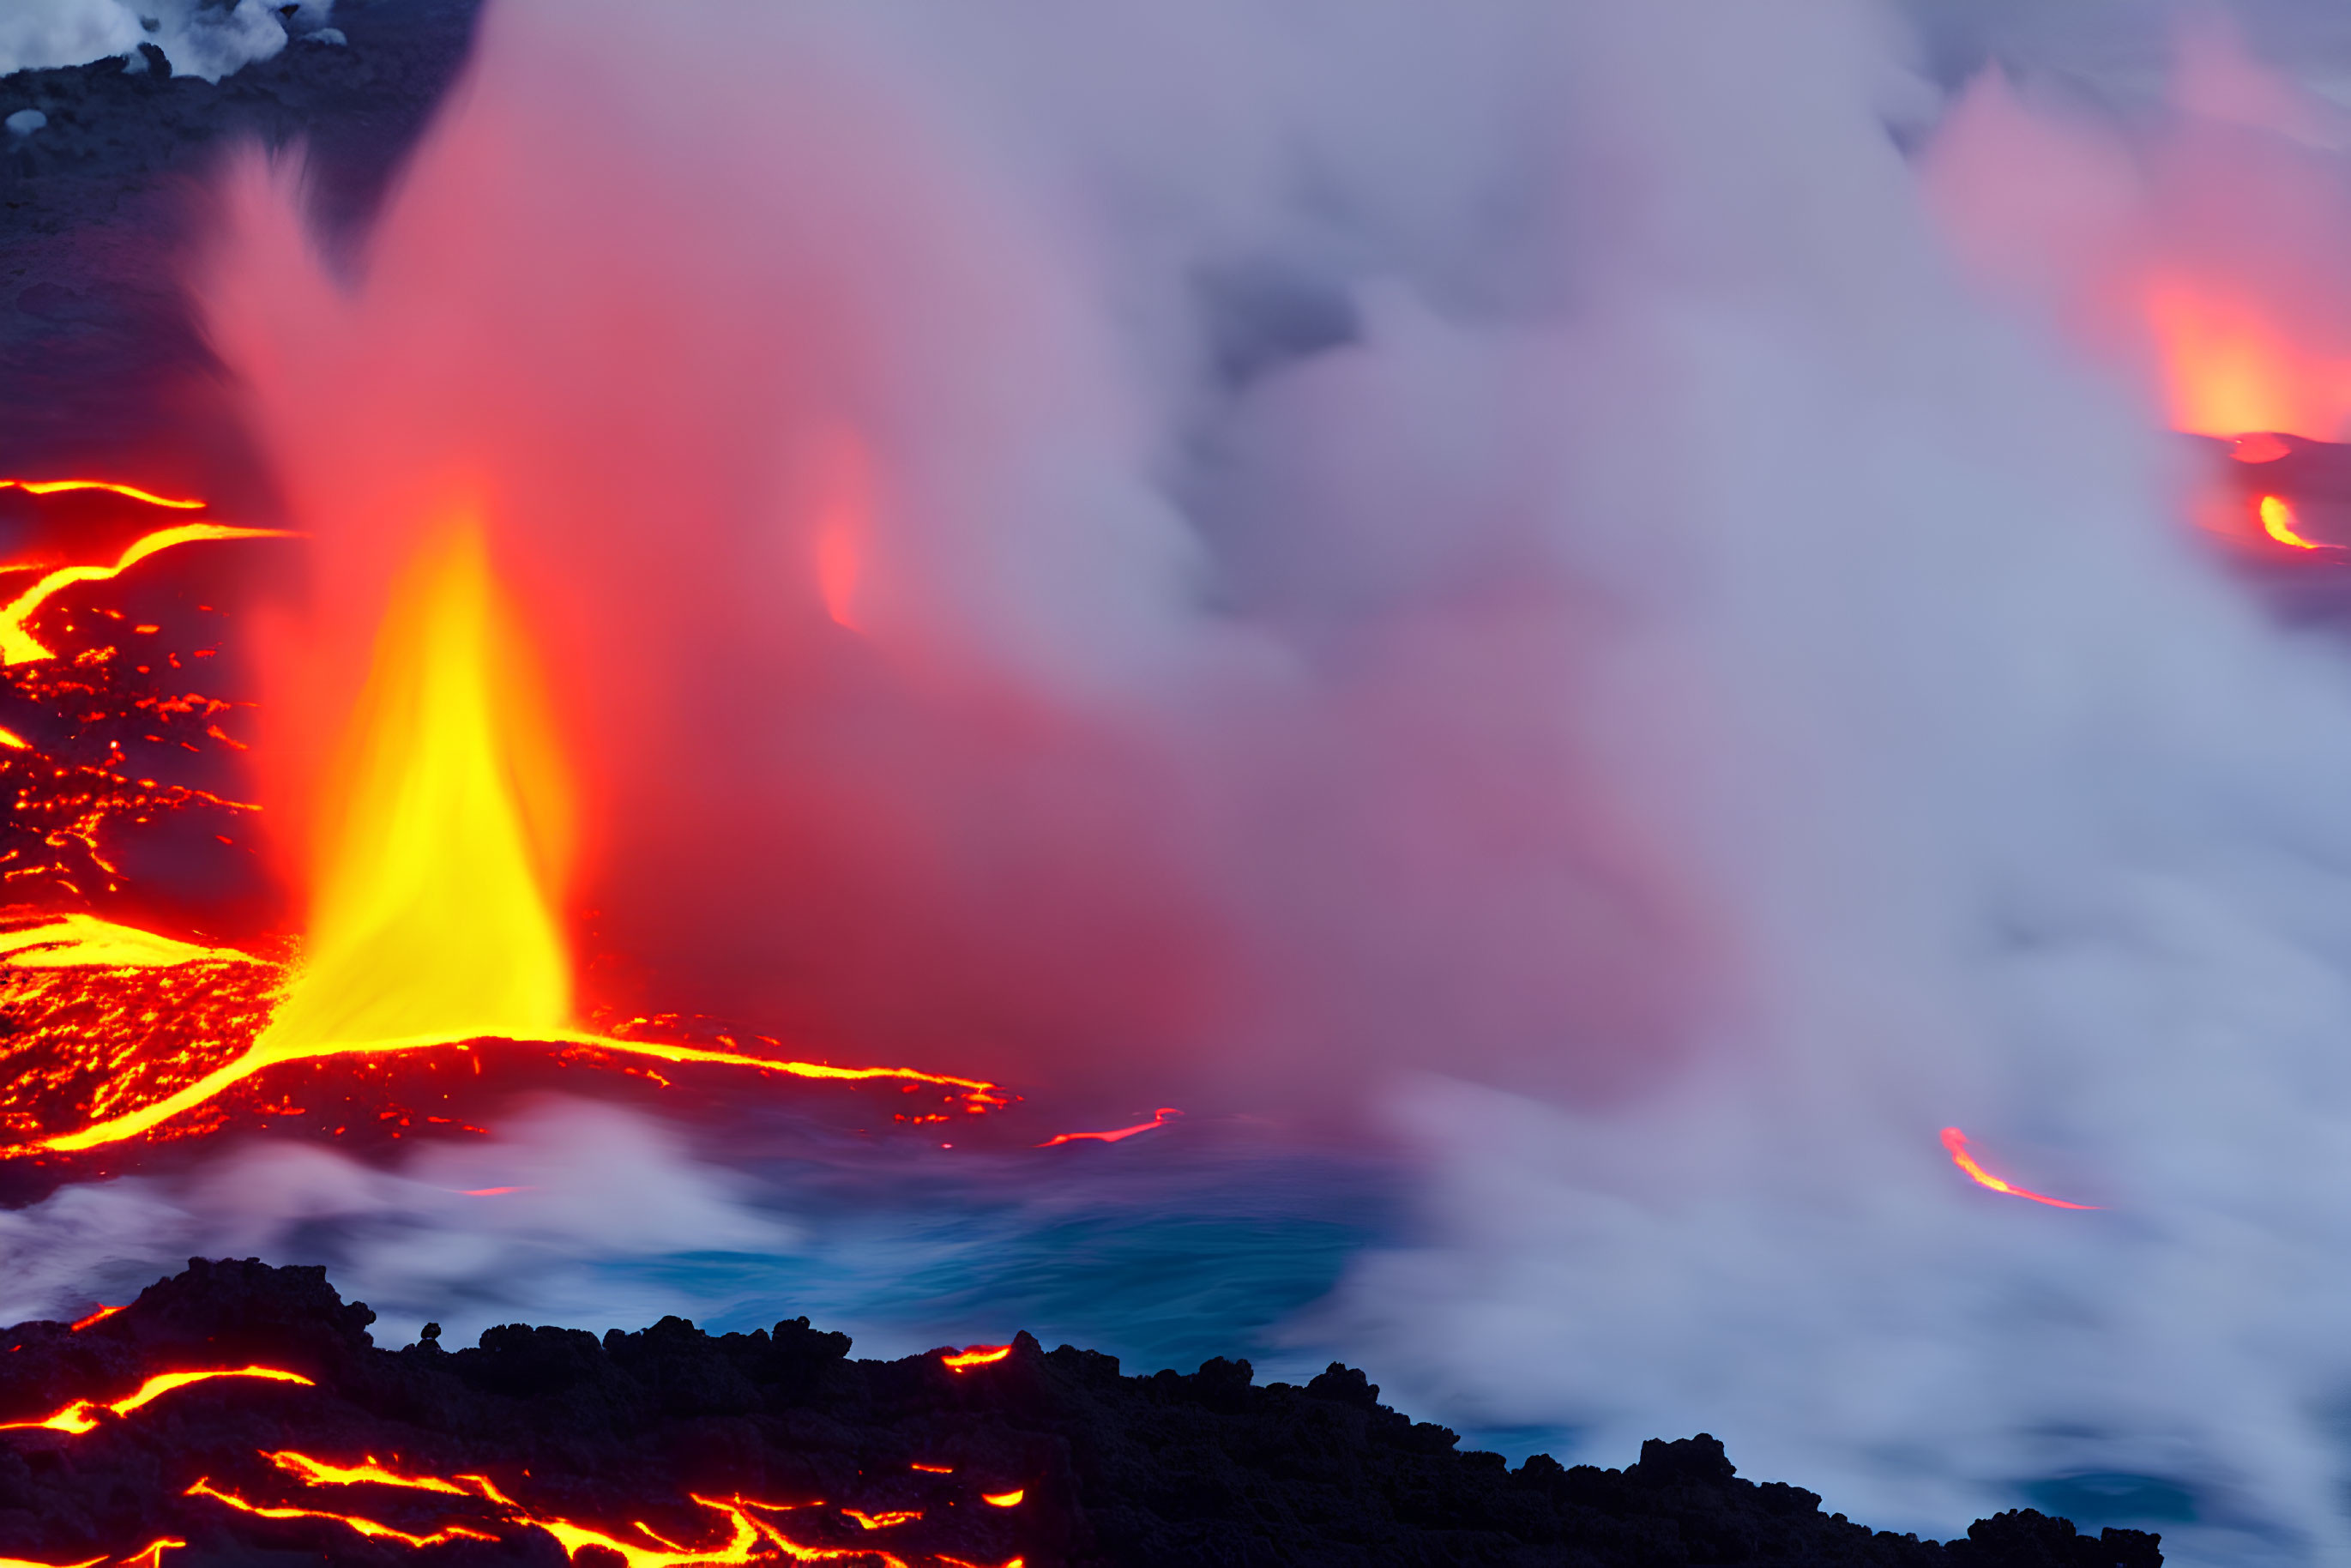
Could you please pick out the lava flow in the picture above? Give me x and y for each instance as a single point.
(439, 867)
(81, 1414)
(1159, 1119)
(58, 487)
(1957, 1142)
(18, 645)
(2277, 521)
(751, 1538)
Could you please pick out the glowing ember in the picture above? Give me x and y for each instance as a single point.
(81, 1416)
(55, 486)
(2277, 521)
(99, 1316)
(977, 1356)
(1159, 1119)
(1957, 1142)
(1004, 1498)
(17, 643)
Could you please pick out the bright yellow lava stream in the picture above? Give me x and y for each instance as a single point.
(19, 646)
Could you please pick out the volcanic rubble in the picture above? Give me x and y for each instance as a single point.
(684, 1448)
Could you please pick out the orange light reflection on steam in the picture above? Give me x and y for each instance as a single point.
(2229, 368)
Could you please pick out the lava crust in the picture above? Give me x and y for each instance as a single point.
(670, 1447)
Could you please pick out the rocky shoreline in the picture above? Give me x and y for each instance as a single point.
(670, 1447)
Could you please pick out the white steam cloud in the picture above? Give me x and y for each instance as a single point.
(1481, 555)
(527, 1225)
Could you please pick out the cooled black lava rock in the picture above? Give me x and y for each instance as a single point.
(101, 203)
(781, 1430)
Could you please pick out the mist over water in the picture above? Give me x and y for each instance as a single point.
(1485, 577)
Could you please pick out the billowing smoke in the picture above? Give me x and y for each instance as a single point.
(1480, 560)
(208, 38)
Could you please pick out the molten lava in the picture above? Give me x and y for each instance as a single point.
(439, 867)
(99, 1316)
(17, 643)
(81, 1416)
(977, 1356)
(2277, 521)
(1957, 1142)
(442, 848)
(750, 1539)
(368, 1527)
(56, 486)
(1158, 1119)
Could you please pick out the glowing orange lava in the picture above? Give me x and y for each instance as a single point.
(370, 1528)
(1159, 1119)
(81, 1416)
(1004, 1498)
(26, 1562)
(151, 1554)
(933, 1470)
(443, 839)
(99, 1316)
(17, 643)
(881, 1520)
(53, 486)
(1957, 1142)
(320, 1473)
(2277, 521)
(977, 1356)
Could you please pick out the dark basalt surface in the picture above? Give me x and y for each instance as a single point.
(100, 360)
(1161, 1471)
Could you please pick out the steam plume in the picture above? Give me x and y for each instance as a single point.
(1480, 558)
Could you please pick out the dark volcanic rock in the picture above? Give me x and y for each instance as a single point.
(100, 355)
(538, 1432)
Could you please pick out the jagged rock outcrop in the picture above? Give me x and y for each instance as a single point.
(539, 1439)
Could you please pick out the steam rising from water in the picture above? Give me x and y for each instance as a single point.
(1477, 560)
